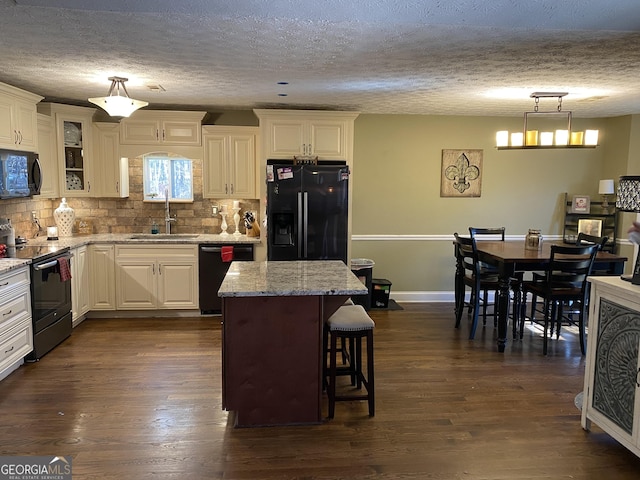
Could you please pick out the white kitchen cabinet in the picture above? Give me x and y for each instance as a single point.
(612, 375)
(111, 171)
(288, 133)
(102, 277)
(229, 165)
(16, 331)
(18, 119)
(74, 148)
(79, 284)
(162, 127)
(48, 158)
(156, 277)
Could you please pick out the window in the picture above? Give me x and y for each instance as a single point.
(164, 173)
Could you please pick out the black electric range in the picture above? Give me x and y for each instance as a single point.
(50, 294)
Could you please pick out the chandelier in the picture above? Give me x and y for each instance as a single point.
(561, 138)
(116, 104)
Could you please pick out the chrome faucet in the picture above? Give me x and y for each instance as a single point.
(167, 215)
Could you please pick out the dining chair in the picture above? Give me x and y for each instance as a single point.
(518, 310)
(472, 275)
(583, 239)
(564, 280)
(491, 233)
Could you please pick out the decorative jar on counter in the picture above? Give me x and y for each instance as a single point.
(533, 240)
(64, 216)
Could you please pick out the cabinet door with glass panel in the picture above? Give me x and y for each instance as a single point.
(74, 140)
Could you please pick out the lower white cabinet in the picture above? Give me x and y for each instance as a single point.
(102, 276)
(612, 374)
(79, 284)
(156, 277)
(16, 333)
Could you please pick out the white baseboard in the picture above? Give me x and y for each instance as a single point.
(422, 297)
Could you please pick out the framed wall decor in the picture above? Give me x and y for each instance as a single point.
(461, 174)
(581, 204)
(590, 226)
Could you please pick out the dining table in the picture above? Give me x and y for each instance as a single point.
(509, 257)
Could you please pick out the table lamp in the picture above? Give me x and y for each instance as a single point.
(605, 188)
(629, 201)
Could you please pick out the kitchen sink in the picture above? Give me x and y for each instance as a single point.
(159, 236)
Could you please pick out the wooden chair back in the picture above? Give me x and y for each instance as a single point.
(466, 253)
(585, 239)
(495, 232)
(569, 268)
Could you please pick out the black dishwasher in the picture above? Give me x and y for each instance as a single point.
(211, 271)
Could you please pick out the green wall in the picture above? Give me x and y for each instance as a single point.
(401, 222)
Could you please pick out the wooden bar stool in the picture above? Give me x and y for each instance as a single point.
(352, 323)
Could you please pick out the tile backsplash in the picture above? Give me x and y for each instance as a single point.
(127, 215)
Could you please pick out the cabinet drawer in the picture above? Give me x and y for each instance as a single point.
(16, 343)
(10, 310)
(14, 278)
(175, 252)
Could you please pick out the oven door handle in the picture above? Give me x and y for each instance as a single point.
(50, 264)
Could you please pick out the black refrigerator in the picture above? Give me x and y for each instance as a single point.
(307, 212)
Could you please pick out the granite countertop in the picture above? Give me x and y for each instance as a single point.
(290, 278)
(144, 238)
(7, 264)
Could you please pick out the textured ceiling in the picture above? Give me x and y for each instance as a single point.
(458, 57)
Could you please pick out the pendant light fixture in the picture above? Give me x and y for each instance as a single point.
(116, 104)
(564, 137)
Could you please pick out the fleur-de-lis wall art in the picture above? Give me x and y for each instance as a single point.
(461, 173)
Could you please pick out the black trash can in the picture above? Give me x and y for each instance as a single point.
(380, 294)
(363, 269)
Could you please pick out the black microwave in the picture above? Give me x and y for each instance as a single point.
(20, 174)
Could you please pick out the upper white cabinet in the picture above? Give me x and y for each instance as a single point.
(18, 119)
(48, 157)
(111, 171)
(74, 147)
(288, 133)
(162, 127)
(229, 165)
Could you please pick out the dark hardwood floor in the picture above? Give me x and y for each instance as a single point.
(141, 399)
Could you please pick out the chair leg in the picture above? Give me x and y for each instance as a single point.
(534, 302)
(474, 322)
(484, 306)
(548, 306)
(370, 376)
(581, 329)
(358, 363)
(331, 390)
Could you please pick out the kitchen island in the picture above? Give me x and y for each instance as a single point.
(272, 354)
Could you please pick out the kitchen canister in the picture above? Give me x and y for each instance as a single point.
(533, 240)
(64, 216)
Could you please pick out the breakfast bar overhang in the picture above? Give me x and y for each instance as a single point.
(272, 353)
